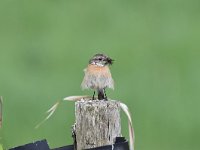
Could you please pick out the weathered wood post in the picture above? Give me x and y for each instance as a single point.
(97, 123)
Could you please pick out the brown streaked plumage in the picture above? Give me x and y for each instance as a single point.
(97, 75)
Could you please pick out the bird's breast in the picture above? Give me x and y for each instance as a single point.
(97, 77)
(98, 70)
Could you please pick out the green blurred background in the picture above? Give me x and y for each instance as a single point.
(45, 45)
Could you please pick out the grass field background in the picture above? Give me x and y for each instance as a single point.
(45, 45)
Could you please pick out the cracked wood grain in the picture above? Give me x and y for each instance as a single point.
(97, 124)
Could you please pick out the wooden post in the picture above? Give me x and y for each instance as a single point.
(97, 123)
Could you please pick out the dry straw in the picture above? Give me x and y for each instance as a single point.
(1, 111)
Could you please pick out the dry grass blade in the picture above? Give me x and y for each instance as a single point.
(1, 111)
(1, 117)
(50, 112)
(130, 125)
(76, 98)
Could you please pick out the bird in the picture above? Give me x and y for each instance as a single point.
(98, 76)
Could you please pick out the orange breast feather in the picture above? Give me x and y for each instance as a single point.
(93, 69)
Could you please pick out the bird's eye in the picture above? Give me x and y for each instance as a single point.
(100, 58)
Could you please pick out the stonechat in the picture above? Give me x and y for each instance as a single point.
(97, 75)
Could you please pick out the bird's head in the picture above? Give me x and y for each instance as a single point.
(101, 60)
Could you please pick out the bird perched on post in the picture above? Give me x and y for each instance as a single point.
(97, 75)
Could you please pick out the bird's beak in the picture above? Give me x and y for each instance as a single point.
(110, 61)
